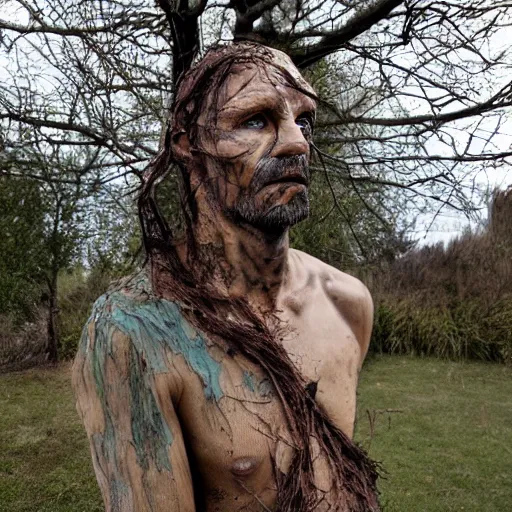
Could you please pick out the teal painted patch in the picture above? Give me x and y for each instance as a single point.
(248, 380)
(119, 492)
(155, 327)
(151, 434)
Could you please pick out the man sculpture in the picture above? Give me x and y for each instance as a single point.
(222, 377)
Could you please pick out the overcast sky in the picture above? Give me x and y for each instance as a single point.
(434, 226)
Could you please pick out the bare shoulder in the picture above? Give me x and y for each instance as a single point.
(113, 313)
(338, 283)
(159, 342)
(127, 327)
(348, 294)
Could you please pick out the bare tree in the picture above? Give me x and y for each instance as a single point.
(83, 74)
(415, 94)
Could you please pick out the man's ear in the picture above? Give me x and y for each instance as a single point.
(181, 147)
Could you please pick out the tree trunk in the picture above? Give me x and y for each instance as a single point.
(52, 348)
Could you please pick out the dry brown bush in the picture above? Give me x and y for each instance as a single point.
(453, 301)
(23, 345)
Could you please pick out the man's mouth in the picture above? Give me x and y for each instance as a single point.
(286, 171)
(295, 179)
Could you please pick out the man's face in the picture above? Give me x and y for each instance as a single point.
(256, 148)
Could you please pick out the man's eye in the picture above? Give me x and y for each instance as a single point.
(305, 124)
(255, 123)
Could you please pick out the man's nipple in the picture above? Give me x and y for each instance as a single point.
(244, 466)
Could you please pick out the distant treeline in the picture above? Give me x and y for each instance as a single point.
(451, 301)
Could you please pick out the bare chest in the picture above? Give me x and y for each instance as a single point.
(236, 440)
(323, 347)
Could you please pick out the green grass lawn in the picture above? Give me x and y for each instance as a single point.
(449, 447)
(45, 462)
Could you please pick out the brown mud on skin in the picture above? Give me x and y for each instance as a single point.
(354, 475)
(246, 359)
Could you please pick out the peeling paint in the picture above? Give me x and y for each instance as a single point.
(156, 326)
(157, 329)
(118, 495)
(105, 445)
(151, 434)
(248, 381)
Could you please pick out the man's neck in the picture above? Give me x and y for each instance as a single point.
(239, 260)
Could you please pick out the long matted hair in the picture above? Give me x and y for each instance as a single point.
(354, 475)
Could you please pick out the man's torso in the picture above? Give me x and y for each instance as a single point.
(231, 418)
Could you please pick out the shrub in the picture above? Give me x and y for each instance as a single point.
(451, 302)
(463, 329)
(23, 344)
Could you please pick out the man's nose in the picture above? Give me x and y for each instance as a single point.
(290, 140)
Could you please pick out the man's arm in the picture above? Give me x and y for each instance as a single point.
(135, 437)
(367, 313)
(354, 302)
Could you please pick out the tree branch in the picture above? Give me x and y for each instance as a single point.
(184, 24)
(334, 40)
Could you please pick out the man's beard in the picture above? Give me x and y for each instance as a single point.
(272, 217)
